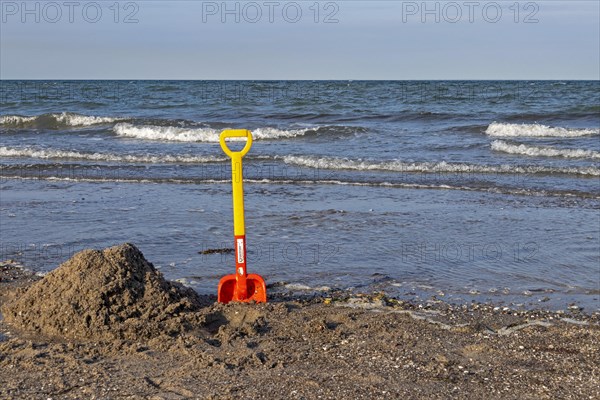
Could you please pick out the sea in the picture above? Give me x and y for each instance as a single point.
(460, 191)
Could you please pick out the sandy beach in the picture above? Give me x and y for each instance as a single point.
(328, 347)
(328, 200)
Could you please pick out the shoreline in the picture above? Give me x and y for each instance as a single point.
(318, 347)
(429, 299)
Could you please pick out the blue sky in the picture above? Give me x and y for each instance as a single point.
(370, 40)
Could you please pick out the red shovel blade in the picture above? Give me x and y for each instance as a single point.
(256, 289)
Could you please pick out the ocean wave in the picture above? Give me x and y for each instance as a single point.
(50, 154)
(210, 135)
(71, 119)
(432, 167)
(15, 119)
(53, 121)
(198, 181)
(535, 130)
(535, 151)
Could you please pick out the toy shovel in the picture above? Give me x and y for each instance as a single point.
(240, 286)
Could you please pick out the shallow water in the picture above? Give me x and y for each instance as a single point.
(464, 190)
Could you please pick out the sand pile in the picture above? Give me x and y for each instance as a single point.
(102, 295)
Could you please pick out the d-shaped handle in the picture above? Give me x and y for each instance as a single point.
(236, 133)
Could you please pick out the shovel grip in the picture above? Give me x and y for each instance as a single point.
(236, 133)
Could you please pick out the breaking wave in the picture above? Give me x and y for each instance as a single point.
(535, 130)
(535, 151)
(49, 154)
(53, 121)
(177, 134)
(432, 167)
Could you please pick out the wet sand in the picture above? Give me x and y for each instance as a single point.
(328, 347)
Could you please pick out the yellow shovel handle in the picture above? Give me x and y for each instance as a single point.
(231, 133)
(236, 176)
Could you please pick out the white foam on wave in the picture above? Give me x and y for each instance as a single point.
(535, 130)
(15, 119)
(431, 167)
(535, 151)
(48, 154)
(65, 118)
(302, 287)
(167, 133)
(83, 120)
(210, 135)
(273, 133)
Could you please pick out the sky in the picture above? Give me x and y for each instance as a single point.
(299, 39)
